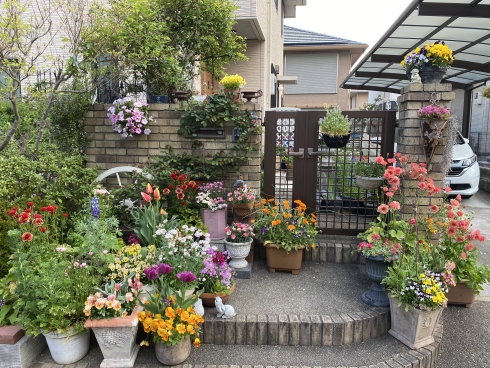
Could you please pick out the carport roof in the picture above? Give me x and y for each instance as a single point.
(463, 24)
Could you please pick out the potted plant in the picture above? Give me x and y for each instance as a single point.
(285, 231)
(242, 198)
(433, 121)
(369, 174)
(457, 247)
(216, 278)
(129, 116)
(169, 317)
(335, 127)
(432, 61)
(239, 238)
(52, 280)
(232, 82)
(113, 317)
(212, 203)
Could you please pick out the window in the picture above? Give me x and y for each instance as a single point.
(316, 72)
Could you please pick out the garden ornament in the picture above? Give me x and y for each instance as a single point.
(415, 76)
(224, 311)
(198, 308)
(239, 183)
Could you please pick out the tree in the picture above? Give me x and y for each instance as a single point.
(38, 38)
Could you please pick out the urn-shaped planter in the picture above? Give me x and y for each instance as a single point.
(173, 354)
(415, 327)
(215, 221)
(117, 339)
(279, 260)
(238, 252)
(68, 348)
(368, 183)
(376, 268)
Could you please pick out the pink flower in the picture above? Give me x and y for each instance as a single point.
(390, 194)
(458, 197)
(111, 297)
(129, 297)
(434, 208)
(463, 255)
(451, 231)
(146, 197)
(383, 209)
(395, 205)
(454, 202)
(469, 247)
(117, 287)
(412, 221)
(448, 189)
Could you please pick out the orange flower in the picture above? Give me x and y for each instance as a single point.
(156, 194)
(291, 227)
(170, 312)
(181, 328)
(149, 189)
(197, 342)
(305, 221)
(163, 333)
(270, 200)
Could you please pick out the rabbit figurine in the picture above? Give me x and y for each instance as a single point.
(224, 311)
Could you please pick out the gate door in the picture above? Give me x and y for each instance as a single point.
(298, 165)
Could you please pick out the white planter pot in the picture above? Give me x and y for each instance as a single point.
(368, 183)
(68, 348)
(238, 253)
(415, 327)
(117, 339)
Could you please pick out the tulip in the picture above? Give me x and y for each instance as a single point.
(149, 189)
(156, 194)
(146, 197)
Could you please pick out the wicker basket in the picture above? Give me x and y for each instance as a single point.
(243, 209)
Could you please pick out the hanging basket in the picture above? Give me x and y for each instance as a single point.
(336, 141)
(368, 183)
(243, 209)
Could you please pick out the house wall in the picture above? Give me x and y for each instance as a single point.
(317, 100)
(106, 149)
(480, 123)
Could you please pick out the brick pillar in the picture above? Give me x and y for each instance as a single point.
(409, 138)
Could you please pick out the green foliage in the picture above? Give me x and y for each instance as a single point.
(6, 223)
(67, 118)
(52, 176)
(334, 123)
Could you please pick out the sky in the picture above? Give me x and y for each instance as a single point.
(358, 20)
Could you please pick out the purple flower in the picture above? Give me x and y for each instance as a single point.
(186, 276)
(164, 269)
(151, 273)
(133, 239)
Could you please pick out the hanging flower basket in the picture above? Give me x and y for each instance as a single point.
(367, 183)
(336, 141)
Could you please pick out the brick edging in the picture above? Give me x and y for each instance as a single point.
(297, 330)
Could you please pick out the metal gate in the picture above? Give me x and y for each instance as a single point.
(298, 165)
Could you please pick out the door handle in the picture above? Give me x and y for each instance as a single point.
(300, 153)
(312, 153)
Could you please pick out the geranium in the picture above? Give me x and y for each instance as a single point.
(434, 54)
(129, 116)
(242, 194)
(233, 81)
(116, 299)
(212, 196)
(433, 112)
(239, 233)
(216, 276)
(283, 225)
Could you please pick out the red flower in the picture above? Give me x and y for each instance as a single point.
(27, 210)
(146, 197)
(24, 218)
(37, 221)
(182, 203)
(12, 212)
(43, 229)
(27, 237)
(65, 215)
(30, 204)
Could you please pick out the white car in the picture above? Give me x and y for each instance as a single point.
(464, 175)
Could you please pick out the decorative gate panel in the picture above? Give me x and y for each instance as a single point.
(298, 165)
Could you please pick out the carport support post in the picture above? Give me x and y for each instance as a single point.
(409, 139)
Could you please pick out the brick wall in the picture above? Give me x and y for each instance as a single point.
(106, 149)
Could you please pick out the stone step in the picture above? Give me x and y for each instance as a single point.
(384, 352)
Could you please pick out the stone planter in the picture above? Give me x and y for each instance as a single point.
(376, 268)
(18, 350)
(216, 222)
(68, 348)
(415, 327)
(173, 354)
(279, 260)
(368, 183)
(461, 295)
(238, 252)
(117, 339)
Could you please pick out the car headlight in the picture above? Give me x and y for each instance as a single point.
(469, 161)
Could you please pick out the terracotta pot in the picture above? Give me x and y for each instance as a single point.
(117, 339)
(461, 295)
(208, 298)
(173, 354)
(279, 260)
(216, 222)
(415, 327)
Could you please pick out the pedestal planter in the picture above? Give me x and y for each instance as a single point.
(415, 327)
(238, 252)
(336, 141)
(376, 268)
(117, 339)
(215, 221)
(368, 183)
(173, 354)
(68, 348)
(208, 298)
(429, 74)
(461, 294)
(279, 260)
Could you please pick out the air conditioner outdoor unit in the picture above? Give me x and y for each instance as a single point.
(477, 98)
